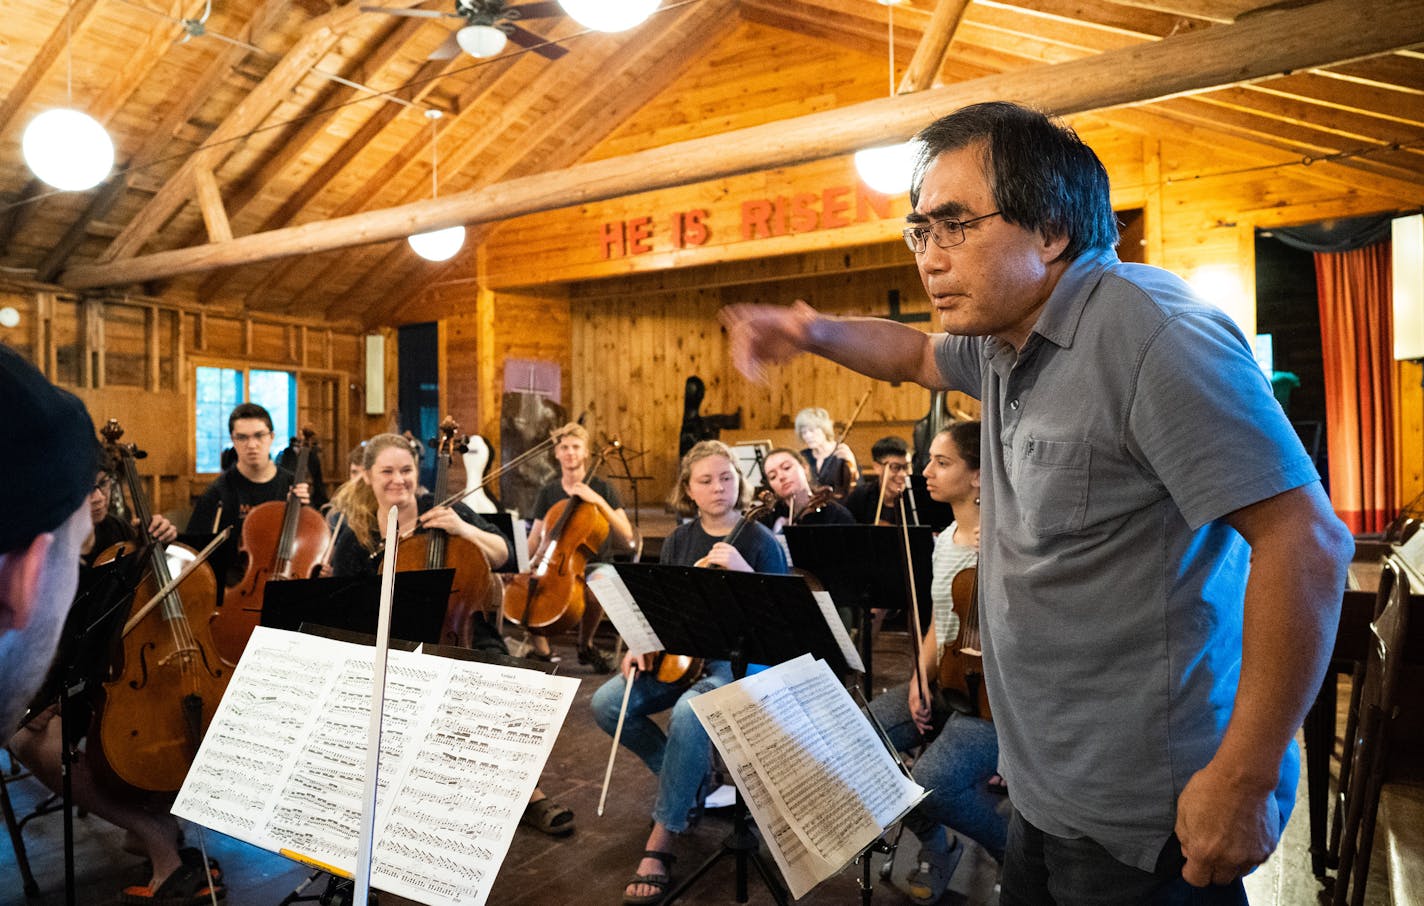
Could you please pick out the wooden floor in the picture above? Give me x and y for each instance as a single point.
(589, 867)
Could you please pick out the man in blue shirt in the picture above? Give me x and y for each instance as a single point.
(1159, 594)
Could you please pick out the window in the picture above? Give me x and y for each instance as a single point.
(218, 390)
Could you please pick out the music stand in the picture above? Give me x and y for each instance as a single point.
(353, 603)
(86, 646)
(745, 618)
(863, 566)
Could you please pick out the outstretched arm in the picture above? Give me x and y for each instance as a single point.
(765, 335)
(1227, 818)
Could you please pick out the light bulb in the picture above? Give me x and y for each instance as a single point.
(438, 245)
(889, 169)
(68, 149)
(480, 40)
(609, 15)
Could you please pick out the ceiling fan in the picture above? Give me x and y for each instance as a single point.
(489, 23)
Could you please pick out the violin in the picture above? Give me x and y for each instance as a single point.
(166, 678)
(814, 504)
(474, 588)
(550, 597)
(961, 663)
(282, 540)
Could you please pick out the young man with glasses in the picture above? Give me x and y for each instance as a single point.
(253, 480)
(1158, 591)
(877, 500)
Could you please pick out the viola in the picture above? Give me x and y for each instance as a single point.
(550, 597)
(474, 589)
(282, 540)
(961, 663)
(166, 677)
(814, 504)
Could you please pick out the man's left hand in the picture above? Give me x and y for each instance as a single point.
(1225, 828)
(303, 492)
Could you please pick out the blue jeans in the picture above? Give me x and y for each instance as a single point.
(679, 757)
(1042, 869)
(955, 767)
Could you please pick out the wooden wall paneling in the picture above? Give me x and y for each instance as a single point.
(124, 346)
(267, 342)
(1409, 431)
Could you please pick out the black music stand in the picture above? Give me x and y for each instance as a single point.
(746, 618)
(86, 644)
(353, 603)
(863, 566)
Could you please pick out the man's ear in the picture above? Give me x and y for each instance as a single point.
(1051, 244)
(20, 572)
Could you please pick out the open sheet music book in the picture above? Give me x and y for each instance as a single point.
(815, 774)
(462, 747)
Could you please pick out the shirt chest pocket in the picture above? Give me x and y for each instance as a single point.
(1052, 485)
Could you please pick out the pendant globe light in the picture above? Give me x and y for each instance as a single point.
(888, 169)
(67, 148)
(436, 245)
(609, 15)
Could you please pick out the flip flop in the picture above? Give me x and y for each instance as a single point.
(659, 881)
(548, 817)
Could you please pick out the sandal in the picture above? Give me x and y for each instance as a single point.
(601, 661)
(547, 817)
(928, 882)
(659, 881)
(190, 855)
(187, 886)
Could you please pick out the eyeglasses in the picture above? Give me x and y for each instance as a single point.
(946, 233)
(240, 439)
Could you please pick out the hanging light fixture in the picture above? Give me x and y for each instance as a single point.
(67, 148)
(609, 15)
(436, 245)
(888, 169)
(480, 40)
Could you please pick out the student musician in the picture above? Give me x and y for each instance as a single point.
(254, 479)
(789, 478)
(961, 758)
(108, 528)
(882, 499)
(571, 450)
(390, 478)
(832, 465)
(711, 489)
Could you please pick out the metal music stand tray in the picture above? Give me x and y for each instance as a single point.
(863, 566)
(747, 618)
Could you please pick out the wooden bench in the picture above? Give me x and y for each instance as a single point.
(1401, 831)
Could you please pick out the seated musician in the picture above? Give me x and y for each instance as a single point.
(390, 478)
(963, 751)
(571, 450)
(789, 478)
(878, 499)
(254, 479)
(711, 488)
(48, 524)
(108, 528)
(832, 465)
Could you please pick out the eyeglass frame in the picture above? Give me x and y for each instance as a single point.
(240, 439)
(910, 233)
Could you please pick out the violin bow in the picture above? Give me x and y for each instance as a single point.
(373, 725)
(617, 734)
(850, 422)
(917, 633)
(177, 580)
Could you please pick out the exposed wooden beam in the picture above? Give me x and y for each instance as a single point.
(1222, 11)
(71, 23)
(1258, 47)
(317, 39)
(210, 202)
(934, 44)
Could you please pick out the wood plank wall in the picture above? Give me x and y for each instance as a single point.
(133, 359)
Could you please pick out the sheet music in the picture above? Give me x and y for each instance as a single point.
(833, 620)
(1412, 551)
(462, 747)
(817, 778)
(627, 617)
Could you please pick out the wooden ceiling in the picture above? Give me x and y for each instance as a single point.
(284, 113)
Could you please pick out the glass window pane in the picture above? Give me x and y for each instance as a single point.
(276, 391)
(218, 391)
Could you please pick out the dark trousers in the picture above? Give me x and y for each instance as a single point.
(1042, 869)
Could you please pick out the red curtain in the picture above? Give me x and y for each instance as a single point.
(1357, 341)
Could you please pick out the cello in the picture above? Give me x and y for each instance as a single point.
(166, 679)
(550, 597)
(474, 588)
(961, 663)
(282, 540)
